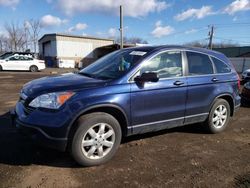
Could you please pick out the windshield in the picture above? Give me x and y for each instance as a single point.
(114, 65)
(5, 55)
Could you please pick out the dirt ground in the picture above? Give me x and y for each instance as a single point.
(180, 157)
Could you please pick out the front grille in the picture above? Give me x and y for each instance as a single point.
(22, 99)
(248, 74)
(28, 110)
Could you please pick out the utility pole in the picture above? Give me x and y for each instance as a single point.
(121, 27)
(211, 34)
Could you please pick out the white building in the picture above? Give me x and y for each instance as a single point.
(63, 47)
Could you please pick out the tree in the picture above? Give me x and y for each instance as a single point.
(3, 44)
(34, 28)
(16, 37)
(215, 45)
(132, 40)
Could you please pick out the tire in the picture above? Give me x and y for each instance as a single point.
(33, 68)
(218, 117)
(1, 68)
(91, 154)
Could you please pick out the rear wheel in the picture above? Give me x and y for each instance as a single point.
(96, 140)
(1, 68)
(33, 68)
(219, 116)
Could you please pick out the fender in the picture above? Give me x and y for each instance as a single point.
(93, 107)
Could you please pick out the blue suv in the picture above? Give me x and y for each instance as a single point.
(130, 91)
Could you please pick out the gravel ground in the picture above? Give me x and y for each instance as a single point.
(180, 157)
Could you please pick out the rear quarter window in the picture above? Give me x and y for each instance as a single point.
(199, 64)
(220, 66)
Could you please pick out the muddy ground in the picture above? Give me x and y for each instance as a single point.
(180, 157)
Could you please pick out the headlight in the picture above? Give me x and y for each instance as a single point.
(51, 100)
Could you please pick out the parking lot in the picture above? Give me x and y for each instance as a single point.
(180, 157)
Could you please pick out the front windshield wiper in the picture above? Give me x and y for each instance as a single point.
(87, 74)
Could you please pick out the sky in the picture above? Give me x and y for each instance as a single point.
(156, 21)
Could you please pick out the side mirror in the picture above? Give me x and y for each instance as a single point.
(147, 77)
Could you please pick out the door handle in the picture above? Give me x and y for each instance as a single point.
(215, 80)
(178, 83)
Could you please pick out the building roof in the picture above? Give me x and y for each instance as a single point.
(74, 36)
(235, 51)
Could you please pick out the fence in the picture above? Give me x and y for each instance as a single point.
(241, 63)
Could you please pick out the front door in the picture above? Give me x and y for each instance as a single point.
(159, 105)
(13, 63)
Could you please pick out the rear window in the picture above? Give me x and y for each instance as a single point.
(220, 66)
(199, 64)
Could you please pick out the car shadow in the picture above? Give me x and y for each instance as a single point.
(196, 128)
(18, 150)
(244, 104)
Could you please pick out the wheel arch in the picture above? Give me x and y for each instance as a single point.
(114, 110)
(228, 97)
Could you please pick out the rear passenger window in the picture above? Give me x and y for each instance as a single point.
(220, 66)
(199, 64)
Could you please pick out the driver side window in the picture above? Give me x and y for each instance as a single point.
(166, 65)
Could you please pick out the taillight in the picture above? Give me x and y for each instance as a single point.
(236, 73)
(238, 81)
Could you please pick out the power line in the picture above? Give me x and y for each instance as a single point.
(237, 37)
(229, 26)
(236, 23)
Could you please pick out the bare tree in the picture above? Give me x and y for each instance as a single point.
(215, 45)
(132, 40)
(15, 34)
(2, 43)
(34, 28)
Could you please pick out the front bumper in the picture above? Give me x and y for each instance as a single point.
(37, 133)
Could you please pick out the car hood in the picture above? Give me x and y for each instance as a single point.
(64, 82)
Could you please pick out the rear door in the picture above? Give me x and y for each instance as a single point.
(26, 62)
(159, 105)
(202, 84)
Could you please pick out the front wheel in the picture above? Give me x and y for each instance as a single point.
(219, 116)
(96, 140)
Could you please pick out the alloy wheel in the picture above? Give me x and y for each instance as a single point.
(98, 141)
(220, 116)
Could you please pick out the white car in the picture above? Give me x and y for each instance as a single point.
(21, 62)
